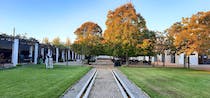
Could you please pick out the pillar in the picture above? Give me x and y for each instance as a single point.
(42, 52)
(83, 57)
(69, 57)
(72, 55)
(57, 54)
(36, 47)
(15, 52)
(63, 57)
(49, 52)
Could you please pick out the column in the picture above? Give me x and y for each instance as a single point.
(57, 54)
(69, 57)
(63, 57)
(15, 52)
(72, 55)
(83, 57)
(42, 52)
(49, 52)
(36, 47)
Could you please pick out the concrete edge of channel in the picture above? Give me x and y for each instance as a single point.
(136, 91)
(73, 91)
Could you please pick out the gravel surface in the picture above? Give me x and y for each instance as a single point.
(105, 85)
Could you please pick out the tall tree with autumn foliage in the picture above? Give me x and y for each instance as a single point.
(56, 41)
(88, 39)
(68, 42)
(45, 40)
(192, 34)
(124, 27)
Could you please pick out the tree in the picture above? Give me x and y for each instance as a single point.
(160, 45)
(88, 41)
(56, 41)
(123, 31)
(147, 43)
(191, 34)
(68, 42)
(45, 40)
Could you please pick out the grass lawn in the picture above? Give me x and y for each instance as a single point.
(170, 82)
(37, 82)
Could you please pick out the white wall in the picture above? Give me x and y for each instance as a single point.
(194, 59)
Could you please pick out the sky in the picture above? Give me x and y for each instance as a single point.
(52, 18)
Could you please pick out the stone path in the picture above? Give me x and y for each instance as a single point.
(105, 85)
(73, 91)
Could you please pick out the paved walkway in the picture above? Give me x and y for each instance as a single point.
(201, 67)
(105, 85)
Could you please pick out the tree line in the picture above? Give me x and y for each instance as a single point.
(126, 35)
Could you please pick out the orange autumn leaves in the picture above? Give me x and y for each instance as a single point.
(123, 29)
(88, 38)
(87, 32)
(124, 35)
(192, 34)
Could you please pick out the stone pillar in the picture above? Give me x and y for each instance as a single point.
(49, 52)
(69, 57)
(30, 52)
(42, 52)
(72, 54)
(83, 57)
(63, 57)
(36, 47)
(15, 48)
(57, 54)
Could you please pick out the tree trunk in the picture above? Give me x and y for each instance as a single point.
(188, 59)
(163, 59)
(184, 61)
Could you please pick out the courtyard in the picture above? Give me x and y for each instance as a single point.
(104, 49)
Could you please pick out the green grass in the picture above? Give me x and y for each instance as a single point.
(37, 82)
(170, 82)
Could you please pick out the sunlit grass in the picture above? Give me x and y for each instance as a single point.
(170, 82)
(37, 82)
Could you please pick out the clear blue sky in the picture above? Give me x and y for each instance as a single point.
(51, 18)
